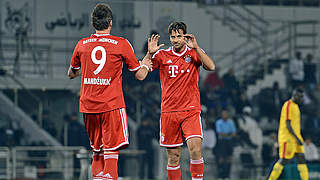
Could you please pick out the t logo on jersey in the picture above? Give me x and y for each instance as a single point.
(173, 70)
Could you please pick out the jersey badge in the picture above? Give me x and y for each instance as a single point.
(187, 58)
(169, 61)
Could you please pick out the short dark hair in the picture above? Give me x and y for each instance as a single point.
(101, 17)
(298, 90)
(175, 26)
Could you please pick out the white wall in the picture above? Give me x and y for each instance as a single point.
(215, 38)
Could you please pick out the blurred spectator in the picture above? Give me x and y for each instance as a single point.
(240, 102)
(250, 126)
(266, 104)
(75, 135)
(215, 97)
(226, 131)
(312, 123)
(74, 132)
(296, 71)
(38, 154)
(270, 150)
(310, 72)
(316, 94)
(231, 85)
(311, 151)
(146, 134)
(11, 133)
(209, 135)
(213, 81)
(277, 98)
(48, 125)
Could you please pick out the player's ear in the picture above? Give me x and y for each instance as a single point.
(110, 24)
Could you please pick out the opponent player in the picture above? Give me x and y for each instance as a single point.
(179, 68)
(100, 58)
(289, 137)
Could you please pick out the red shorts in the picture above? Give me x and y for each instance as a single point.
(108, 130)
(176, 125)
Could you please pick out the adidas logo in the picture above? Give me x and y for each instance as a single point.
(100, 174)
(108, 176)
(169, 61)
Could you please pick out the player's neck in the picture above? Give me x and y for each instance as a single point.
(106, 31)
(179, 50)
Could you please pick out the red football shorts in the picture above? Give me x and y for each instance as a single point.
(108, 130)
(176, 125)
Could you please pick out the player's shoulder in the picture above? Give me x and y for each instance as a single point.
(84, 39)
(119, 38)
(290, 104)
(162, 51)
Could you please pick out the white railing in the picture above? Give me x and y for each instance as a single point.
(49, 162)
(4, 163)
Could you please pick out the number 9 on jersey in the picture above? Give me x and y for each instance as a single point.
(101, 61)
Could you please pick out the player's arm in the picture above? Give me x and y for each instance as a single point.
(75, 64)
(207, 62)
(289, 127)
(145, 66)
(73, 73)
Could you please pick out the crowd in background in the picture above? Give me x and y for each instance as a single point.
(230, 118)
(235, 121)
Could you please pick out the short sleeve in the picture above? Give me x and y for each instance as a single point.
(196, 57)
(218, 127)
(156, 60)
(289, 111)
(75, 60)
(129, 56)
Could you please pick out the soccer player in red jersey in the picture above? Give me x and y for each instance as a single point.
(179, 68)
(100, 58)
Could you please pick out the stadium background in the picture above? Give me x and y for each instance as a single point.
(255, 38)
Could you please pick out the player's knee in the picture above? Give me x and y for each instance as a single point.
(283, 161)
(173, 156)
(195, 151)
(301, 160)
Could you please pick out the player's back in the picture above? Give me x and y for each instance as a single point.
(101, 59)
(290, 111)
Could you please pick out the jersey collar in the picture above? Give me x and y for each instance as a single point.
(177, 54)
(98, 35)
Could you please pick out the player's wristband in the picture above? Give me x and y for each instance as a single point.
(143, 65)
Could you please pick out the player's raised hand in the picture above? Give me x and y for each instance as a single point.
(153, 46)
(191, 41)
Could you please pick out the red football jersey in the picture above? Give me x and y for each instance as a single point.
(101, 59)
(179, 75)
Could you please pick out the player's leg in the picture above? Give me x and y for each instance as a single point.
(286, 152)
(171, 138)
(97, 165)
(173, 167)
(192, 131)
(302, 166)
(110, 170)
(278, 168)
(114, 137)
(196, 162)
(93, 128)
